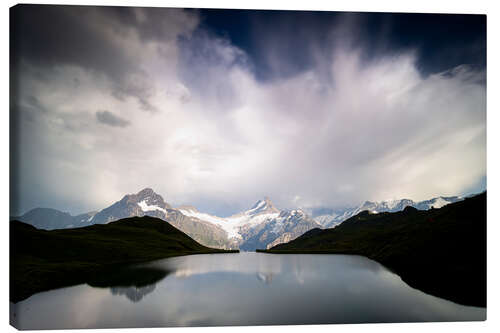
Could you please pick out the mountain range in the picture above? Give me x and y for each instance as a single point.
(440, 251)
(329, 218)
(261, 226)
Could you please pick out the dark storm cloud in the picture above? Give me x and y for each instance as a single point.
(61, 35)
(108, 118)
(442, 41)
(50, 36)
(89, 37)
(285, 43)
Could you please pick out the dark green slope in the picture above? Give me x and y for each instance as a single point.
(439, 251)
(42, 260)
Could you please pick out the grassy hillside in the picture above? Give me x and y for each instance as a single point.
(42, 260)
(440, 251)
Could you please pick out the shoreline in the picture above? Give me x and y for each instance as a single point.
(412, 281)
(42, 260)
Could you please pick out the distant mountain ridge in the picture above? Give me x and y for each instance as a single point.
(329, 218)
(144, 203)
(258, 226)
(50, 219)
(261, 226)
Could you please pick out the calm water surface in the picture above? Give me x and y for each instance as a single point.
(243, 289)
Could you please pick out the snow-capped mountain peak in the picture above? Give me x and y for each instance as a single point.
(145, 202)
(149, 198)
(261, 211)
(264, 206)
(437, 202)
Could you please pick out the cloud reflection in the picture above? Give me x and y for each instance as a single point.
(246, 289)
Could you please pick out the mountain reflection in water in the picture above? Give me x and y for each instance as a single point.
(132, 282)
(240, 289)
(266, 278)
(135, 294)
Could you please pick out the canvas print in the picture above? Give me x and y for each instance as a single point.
(222, 167)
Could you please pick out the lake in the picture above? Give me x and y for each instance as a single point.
(240, 289)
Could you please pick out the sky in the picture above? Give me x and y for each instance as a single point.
(219, 108)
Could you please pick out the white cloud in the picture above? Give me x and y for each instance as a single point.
(221, 137)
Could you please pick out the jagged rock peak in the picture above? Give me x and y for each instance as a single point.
(146, 192)
(146, 195)
(292, 213)
(263, 206)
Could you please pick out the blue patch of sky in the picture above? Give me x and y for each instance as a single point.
(442, 41)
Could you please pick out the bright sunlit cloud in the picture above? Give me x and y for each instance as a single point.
(182, 110)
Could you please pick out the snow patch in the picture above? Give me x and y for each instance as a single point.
(146, 208)
(259, 205)
(438, 203)
(324, 219)
(232, 224)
